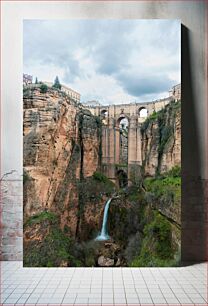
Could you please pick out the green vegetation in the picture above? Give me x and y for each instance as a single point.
(94, 187)
(149, 120)
(28, 91)
(88, 252)
(166, 132)
(99, 134)
(156, 249)
(121, 165)
(165, 190)
(145, 236)
(174, 172)
(26, 176)
(156, 246)
(43, 88)
(98, 176)
(165, 121)
(52, 248)
(135, 194)
(171, 107)
(135, 175)
(56, 84)
(45, 215)
(91, 190)
(101, 184)
(98, 121)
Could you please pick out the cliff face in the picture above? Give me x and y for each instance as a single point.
(161, 161)
(161, 140)
(65, 193)
(62, 144)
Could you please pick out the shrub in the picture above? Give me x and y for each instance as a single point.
(96, 185)
(133, 247)
(50, 250)
(26, 177)
(45, 215)
(57, 83)
(87, 252)
(98, 176)
(175, 171)
(156, 249)
(43, 88)
(55, 249)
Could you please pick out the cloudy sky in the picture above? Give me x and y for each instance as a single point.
(111, 61)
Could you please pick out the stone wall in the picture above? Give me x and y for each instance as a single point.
(11, 218)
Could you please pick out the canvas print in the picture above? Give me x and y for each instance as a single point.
(102, 143)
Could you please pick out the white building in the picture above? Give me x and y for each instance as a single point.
(70, 92)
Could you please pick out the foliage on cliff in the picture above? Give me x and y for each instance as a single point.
(160, 244)
(95, 187)
(145, 221)
(166, 188)
(157, 247)
(159, 133)
(45, 244)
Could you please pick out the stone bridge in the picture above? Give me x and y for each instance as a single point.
(121, 151)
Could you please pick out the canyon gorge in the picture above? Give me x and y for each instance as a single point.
(76, 159)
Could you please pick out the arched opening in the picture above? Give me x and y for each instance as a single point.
(104, 116)
(143, 112)
(122, 178)
(123, 124)
(104, 113)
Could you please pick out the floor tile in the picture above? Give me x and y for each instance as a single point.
(122, 286)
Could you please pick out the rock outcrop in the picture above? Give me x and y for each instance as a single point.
(161, 140)
(62, 145)
(105, 261)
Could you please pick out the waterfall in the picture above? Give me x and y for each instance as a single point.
(104, 233)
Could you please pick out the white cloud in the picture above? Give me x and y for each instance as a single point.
(113, 61)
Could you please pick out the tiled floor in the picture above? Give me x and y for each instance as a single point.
(108, 286)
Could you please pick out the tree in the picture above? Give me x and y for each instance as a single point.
(43, 88)
(57, 83)
(36, 80)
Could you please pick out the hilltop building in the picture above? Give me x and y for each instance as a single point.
(72, 93)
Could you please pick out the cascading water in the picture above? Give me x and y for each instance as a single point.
(104, 233)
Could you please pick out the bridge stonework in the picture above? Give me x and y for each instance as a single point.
(111, 116)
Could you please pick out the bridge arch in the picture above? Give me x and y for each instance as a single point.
(143, 112)
(104, 113)
(122, 178)
(122, 118)
(104, 116)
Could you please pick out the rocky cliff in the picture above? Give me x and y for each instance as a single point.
(161, 140)
(65, 193)
(62, 145)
